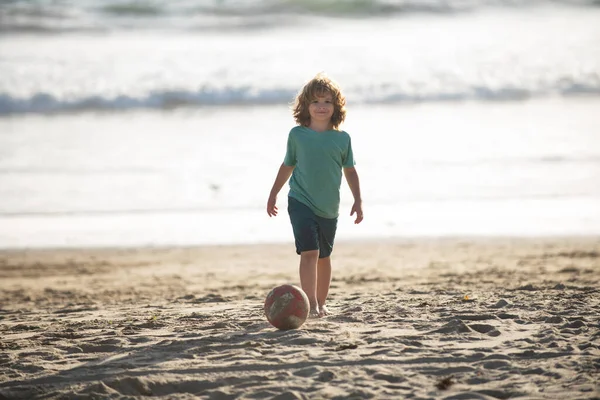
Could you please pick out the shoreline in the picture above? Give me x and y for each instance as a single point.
(344, 242)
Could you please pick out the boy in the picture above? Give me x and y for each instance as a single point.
(317, 153)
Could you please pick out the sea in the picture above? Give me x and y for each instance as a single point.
(163, 123)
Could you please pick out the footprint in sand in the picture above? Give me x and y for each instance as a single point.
(391, 378)
(454, 326)
(555, 319)
(306, 372)
(211, 298)
(489, 330)
(501, 304)
(98, 348)
(288, 396)
(326, 376)
(574, 325)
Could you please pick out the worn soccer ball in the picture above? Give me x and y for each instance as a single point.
(287, 307)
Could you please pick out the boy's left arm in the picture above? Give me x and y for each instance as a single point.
(354, 184)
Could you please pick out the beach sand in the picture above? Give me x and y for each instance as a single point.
(187, 323)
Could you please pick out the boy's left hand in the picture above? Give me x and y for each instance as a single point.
(357, 208)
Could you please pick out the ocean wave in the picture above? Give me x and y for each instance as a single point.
(135, 8)
(167, 99)
(45, 103)
(366, 8)
(46, 16)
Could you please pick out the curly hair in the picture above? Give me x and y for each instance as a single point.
(319, 85)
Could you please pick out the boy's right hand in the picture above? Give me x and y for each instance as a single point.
(271, 206)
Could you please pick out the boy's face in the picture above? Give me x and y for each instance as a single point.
(321, 108)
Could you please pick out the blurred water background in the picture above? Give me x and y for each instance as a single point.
(126, 123)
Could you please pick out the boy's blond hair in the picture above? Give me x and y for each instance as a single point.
(319, 85)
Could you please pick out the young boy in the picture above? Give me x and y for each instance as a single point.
(317, 153)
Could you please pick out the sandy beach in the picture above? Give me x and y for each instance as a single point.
(412, 319)
(139, 141)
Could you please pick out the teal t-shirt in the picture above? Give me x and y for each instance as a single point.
(318, 158)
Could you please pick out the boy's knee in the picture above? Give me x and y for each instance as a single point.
(312, 254)
(324, 260)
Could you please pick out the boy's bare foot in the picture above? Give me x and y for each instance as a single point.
(314, 313)
(323, 311)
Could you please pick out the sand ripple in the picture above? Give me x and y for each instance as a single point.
(497, 319)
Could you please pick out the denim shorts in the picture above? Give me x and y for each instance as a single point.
(311, 232)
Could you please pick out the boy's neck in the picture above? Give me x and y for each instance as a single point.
(320, 127)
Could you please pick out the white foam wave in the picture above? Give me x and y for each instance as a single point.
(246, 96)
(45, 16)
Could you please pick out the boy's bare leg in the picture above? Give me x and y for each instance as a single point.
(308, 278)
(323, 283)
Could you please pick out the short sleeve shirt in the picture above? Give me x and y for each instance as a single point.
(318, 158)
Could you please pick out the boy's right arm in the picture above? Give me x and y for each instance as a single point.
(285, 171)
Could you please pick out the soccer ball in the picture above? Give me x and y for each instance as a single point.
(287, 307)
